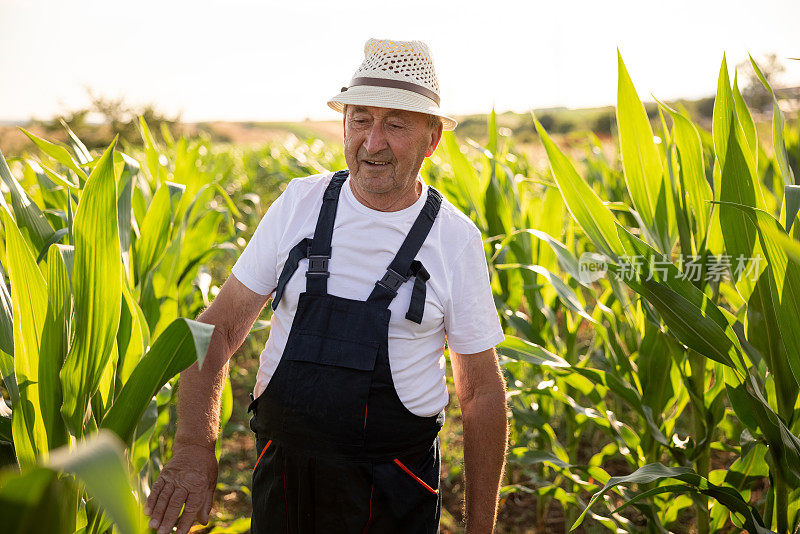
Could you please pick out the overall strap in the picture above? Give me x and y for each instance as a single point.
(299, 252)
(318, 251)
(404, 266)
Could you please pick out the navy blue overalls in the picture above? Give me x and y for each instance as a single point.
(337, 449)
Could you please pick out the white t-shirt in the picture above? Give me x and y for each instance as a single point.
(458, 300)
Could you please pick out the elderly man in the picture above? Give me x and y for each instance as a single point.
(350, 391)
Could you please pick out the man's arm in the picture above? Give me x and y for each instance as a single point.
(191, 475)
(481, 393)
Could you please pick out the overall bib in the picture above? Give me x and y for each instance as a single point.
(338, 452)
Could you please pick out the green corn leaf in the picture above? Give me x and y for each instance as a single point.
(99, 463)
(677, 205)
(54, 348)
(181, 344)
(496, 207)
(140, 449)
(691, 172)
(133, 337)
(53, 195)
(566, 259)
(8, 375)
(748, 469)
(492, 132)
(6, 431)
(737, 183)
(226, 410)
(77, 145)
(565, 293)
(205, 255)
(662, 269)
(466, 180)
(723, 115)
(656, 472)
(127, 179)
(518, 349)
(791, 206)
(778, 127)
(30, 220)
(679, 489)
(644, 174)
(526, 456)
(7, 340)
(34, 501)
(67, 254)
(754, 411)
(688, 323)
(627, 393)
(53, 175)
(748, 126)
(97, 290)
(55, 238)
(155, 169)
(228, 201)
(550, 221)
(654, 364)
(58, 153)
(791, 246)
(784, 282)
(101, 399)
(763, 333)
(583, 203)
(29, 298)
(154, 232)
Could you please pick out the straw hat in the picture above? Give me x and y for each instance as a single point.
(396, 75)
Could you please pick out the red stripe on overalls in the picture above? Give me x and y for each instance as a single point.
(415, 477)
(262, 454)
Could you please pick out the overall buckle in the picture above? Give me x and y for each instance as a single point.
(392, 280)
(318, 265)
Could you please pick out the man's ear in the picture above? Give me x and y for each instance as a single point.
(436, 136)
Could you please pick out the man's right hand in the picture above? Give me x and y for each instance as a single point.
(188, 478)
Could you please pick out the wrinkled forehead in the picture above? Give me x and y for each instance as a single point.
(380, 112)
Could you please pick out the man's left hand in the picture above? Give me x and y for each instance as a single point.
(480, 388)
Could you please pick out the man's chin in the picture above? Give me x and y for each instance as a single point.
(365, 169)
(376, 182)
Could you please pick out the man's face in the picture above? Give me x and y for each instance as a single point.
(384, 148)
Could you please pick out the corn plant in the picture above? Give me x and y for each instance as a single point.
(655, 375)
(77, 353)
(41, 498)
(103, 256)
(744, 354)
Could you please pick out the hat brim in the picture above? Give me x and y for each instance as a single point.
(389, 97)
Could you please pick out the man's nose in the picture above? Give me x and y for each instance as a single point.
(376, 139)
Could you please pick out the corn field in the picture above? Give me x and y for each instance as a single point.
(650, 299)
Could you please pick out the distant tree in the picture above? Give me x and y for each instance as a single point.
(116, 117)
(705, 107)
(123, 119)
(753, 91)
(546, 120)
(603, 123)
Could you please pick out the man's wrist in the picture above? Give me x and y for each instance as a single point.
(183, 441)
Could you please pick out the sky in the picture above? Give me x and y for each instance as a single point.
(262, 60)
